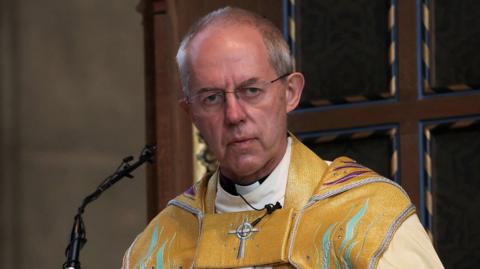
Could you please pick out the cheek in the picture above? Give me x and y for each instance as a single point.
(271, 124)
(210, 130)
(274, 115)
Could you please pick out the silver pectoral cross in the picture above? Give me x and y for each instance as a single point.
(243, 232)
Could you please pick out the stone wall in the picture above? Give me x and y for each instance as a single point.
(72, 106)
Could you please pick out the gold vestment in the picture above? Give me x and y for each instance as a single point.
(341, 215)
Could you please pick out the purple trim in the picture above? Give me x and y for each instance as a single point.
(349, 166)
(190, 191)
(345, 178)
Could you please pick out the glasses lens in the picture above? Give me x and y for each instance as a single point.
(212, 101)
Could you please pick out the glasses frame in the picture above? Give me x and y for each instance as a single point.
(188, 99)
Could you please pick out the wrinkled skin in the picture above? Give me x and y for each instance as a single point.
(247, 140)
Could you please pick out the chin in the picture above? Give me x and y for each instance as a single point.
(245, 169)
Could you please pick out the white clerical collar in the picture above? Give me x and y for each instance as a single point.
(272, 190)
(244, 190)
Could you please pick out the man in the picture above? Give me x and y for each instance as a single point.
(272, 202)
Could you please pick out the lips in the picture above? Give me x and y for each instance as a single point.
(244, 141)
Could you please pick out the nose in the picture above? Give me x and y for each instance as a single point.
(234, 110)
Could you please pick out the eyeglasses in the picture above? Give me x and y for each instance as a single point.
(213, 100)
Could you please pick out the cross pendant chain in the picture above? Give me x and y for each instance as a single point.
(243, 232)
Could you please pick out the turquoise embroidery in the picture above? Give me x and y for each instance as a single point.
(170, 263)
(326, 246)
(341, 256)
(352, 223)
(160, 256)
(317, 249)
(346, 256)
(153, 243)
(369, 227)
(347, 243)
(163, 249)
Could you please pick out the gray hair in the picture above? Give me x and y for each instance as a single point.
(277, 49)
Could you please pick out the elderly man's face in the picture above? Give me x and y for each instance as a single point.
(247, 139)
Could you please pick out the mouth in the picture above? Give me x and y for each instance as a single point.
(241, 142)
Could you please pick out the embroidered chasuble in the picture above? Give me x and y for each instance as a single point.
(341, 215)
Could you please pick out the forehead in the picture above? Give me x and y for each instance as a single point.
(224, 55)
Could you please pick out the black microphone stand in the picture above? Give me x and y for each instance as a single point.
(78, 234)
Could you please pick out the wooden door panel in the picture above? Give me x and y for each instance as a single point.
(450, 42)
(374, 147)
(438, 49)
(346, 50)
(451, 202)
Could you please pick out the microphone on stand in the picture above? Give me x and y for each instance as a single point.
(77, 241)
(78, 234)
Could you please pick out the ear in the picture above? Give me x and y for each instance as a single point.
(295, 83)
(185, 106)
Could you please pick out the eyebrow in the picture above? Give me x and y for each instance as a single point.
(207, 89)
(248, 82)
(244, 83)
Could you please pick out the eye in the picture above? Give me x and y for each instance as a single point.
(251, 92)
(212, 98)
